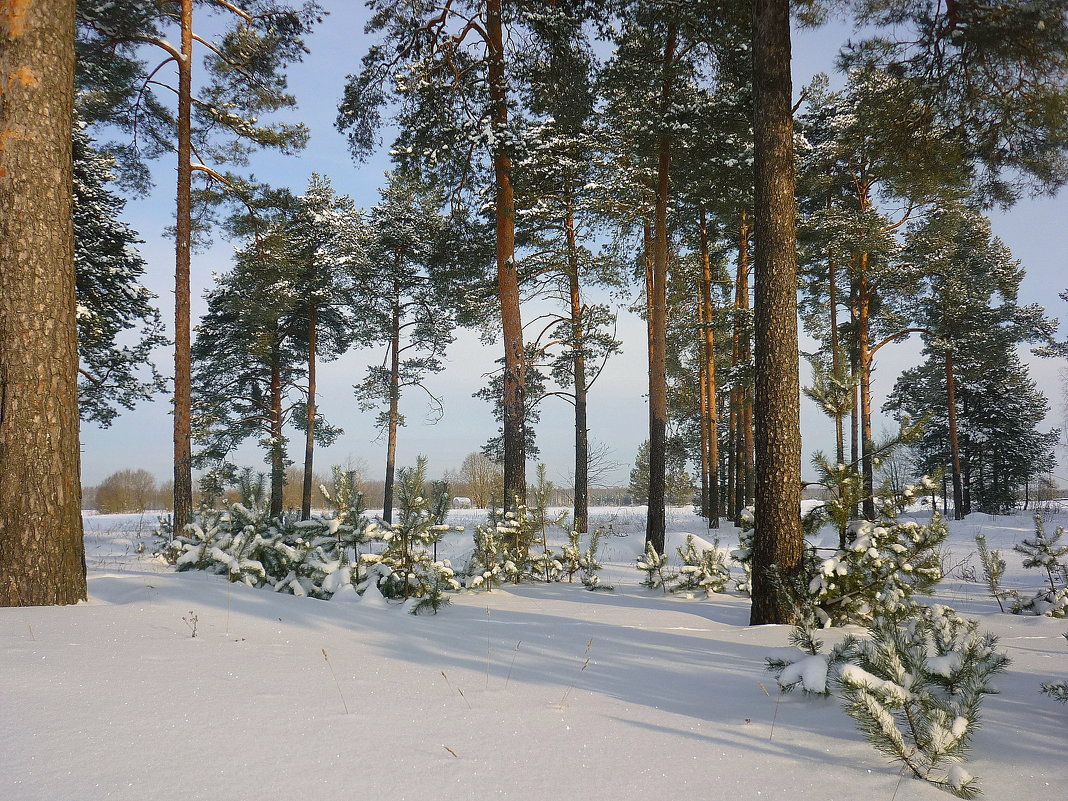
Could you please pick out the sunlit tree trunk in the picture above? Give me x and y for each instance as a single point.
(515, 480)
(777, 537)
(394, 413)
(42, 556)
(710, 453)
(183, 475)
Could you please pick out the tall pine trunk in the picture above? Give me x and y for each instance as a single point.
(578, 337)
(777, 537)
(710, 454)
(864, 357)
(309, 441)
(954, 441)
(278, 457)
(836, 358)
(394, 411)
(743, 435)
(42, 556)
(515, 479)
(655, 523)
(183, 475)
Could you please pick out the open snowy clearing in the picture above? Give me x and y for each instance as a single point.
(529, 692)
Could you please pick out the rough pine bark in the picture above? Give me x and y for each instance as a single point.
(183, 379)
(515, 463)
(777, 539)
(42, 557)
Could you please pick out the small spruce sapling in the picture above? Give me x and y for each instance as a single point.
(654, 566)
(702, 571)
(915, 687)
(993, 569)
(811, 671)
(590, 566)
(1045, 552)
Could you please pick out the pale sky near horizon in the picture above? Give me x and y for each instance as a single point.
(1035, 231)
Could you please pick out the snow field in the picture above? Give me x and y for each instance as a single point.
(528, 692)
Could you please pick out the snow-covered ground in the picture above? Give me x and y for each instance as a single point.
(531, 692)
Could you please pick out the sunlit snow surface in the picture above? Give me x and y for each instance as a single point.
(288, 697)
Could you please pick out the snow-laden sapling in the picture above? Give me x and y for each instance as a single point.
(654, 566)
(413, 573)
(812, 670)
(701, 571)
(884, 563)
(1045, 552)
(491, 563)
(1057, 690)
(993, 569)
(590, 566)
(915, 687)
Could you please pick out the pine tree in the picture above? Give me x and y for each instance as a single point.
(42, 555)
(122, 86)
(409, 302)
(455, 69)
(967, 283)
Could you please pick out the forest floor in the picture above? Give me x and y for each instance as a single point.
(181, 686)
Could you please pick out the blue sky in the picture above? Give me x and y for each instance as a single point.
(1034, 230)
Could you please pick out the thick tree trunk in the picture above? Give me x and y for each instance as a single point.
(515, 478)
(954, 442)
(309, 440)
(183, 475)
(777, 538)
(42, 556)
(710, 454)
(578, 337)
(278, 466)
(394, 413)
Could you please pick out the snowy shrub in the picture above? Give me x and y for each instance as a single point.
(993, 569)
(812, 671)
(491, 564)
(883, 565)
(654, 566)
(590, 566)
(701, 571)
(915, 687)
(408, 569)
(1057, 690)
(1044, 552)
(323, 557)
